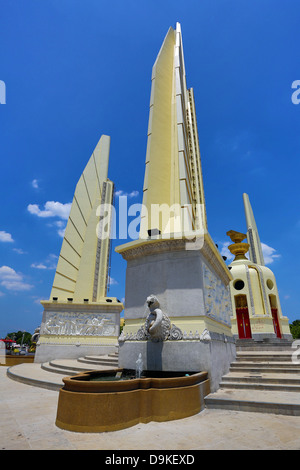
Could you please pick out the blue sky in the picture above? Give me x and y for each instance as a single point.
(75, 70)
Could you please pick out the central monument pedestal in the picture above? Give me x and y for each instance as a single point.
(190, 280)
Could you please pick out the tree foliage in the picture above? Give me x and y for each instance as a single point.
(295, 329)
(18, 335)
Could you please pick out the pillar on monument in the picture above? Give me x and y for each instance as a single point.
(175, 260)
(79, 318)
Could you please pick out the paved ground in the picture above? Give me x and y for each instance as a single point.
(28, 422)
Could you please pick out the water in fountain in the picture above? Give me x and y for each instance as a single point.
(139, 367)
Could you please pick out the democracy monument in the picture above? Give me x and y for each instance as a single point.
(186, 311)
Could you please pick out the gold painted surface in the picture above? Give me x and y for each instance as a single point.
(10, 360)
(112, 411)
(75, 273)
(173, 174)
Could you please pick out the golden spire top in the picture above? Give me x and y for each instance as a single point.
(238, 249)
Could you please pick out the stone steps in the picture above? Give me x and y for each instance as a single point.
(262, 382)
(50, 374)
(265, 381)
(33, 374)
(259, 401)
(264, 358)
(74, 366)
(273, 344)
(268, 362)
(100, 360)
(259, 368)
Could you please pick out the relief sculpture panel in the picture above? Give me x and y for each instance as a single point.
(79, 324)
(216, 297)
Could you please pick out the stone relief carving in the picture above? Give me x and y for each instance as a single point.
(216, 297)
(175, 335)
(78, 324)
(205, 335)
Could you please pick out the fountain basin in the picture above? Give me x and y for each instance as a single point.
(91, 402)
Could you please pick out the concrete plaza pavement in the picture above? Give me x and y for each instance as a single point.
(28, 422)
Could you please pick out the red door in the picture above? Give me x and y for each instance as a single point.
(243, 322)
(276, 322)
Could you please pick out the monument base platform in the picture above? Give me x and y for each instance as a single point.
(190, 282)
(70, 330)
(213, 356)
(47, 352)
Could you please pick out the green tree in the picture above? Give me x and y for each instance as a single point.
(18, 335)
(295, 329)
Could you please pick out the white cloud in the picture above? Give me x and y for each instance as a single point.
(112, 281)
(120, 192)
(61, 232)
(61, 227)
(49, 263)
(38, 266)
(9, 273)
(12, 280)
(61, 224)
(225, 252)
(51, 209)
(35, 184)
(5, 237)
(19, 251)
(269, 253)
(16, 285)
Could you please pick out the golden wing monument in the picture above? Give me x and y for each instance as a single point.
(79, 318)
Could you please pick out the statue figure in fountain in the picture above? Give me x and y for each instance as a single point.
(157, 327)
(157, 324)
